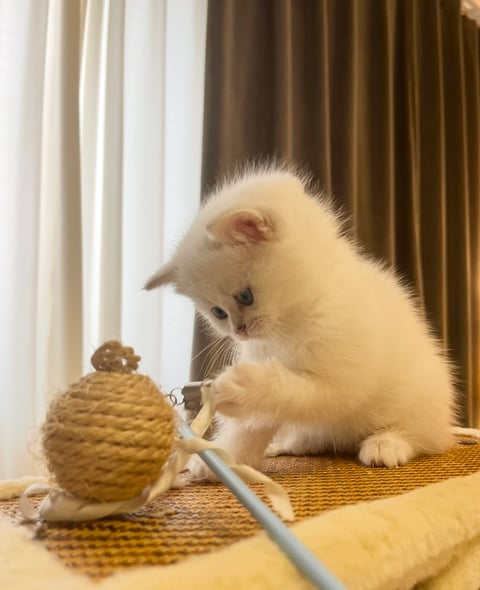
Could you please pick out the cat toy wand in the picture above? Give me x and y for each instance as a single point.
(299, 555)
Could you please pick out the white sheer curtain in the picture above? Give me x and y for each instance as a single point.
(101, 108)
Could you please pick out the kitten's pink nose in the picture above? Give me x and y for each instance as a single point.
(241, 329)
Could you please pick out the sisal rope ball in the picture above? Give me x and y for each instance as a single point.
(107, 437)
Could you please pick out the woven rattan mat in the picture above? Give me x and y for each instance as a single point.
(205, 517)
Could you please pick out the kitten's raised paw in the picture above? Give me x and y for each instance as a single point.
(235, 389)
(385, 449)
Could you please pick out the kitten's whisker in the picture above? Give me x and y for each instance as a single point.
(221, 358)
(204, 349)
(225, 357)
(211, 355)
(210, 361)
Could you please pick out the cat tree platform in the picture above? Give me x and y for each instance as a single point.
(206, 521)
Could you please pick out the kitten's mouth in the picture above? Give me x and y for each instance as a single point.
(242, 337)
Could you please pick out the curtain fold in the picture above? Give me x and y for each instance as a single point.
(58, 291)
(380, 101)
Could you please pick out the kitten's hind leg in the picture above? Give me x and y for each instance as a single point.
(386, 449)
(246, 442)
(297, 440)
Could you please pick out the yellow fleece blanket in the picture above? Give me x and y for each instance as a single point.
(428, 539)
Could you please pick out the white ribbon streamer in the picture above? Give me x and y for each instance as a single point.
(276, 494)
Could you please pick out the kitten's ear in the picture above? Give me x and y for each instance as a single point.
(165, 276)
(242, 226)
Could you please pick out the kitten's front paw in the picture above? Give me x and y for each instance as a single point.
(385, 449)
(236, 390)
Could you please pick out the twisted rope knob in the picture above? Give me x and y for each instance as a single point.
(112, 357)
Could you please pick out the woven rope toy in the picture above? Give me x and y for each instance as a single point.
(107, 437)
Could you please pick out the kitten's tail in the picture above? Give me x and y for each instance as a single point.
(475, 432)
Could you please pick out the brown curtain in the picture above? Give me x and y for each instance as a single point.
(380, 100)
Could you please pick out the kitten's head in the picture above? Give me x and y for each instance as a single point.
(245, 259)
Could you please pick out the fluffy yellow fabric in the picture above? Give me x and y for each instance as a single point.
(430, 536)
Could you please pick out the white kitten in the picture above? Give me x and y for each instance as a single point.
(333, 354)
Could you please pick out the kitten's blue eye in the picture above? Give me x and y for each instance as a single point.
(219, 313)
(245, 297)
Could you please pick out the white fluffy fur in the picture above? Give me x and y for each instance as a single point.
(334, 354)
